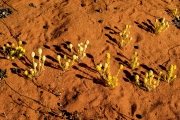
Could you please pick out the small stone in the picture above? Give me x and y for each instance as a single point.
(136, 47)
(59, 104)
(32, 5)
(99, 10)
(95, 1)
(115, 8)
(14, 70)
(45, 26)
(83, 5)
(139, 116)
(100, 21)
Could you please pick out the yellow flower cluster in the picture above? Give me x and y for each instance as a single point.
(134, 61)
(149, 82)
(104, 71)
(11, 51)
(37, 67)
(124, 37)
(170, 76)
(160, 26)
(175, 13)
(66, 63)
(81, 51)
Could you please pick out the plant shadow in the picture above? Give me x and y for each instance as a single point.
(129, 77)
(91, 57)
(95, 80)
(112, 31)
(147, 26)
(175, 20)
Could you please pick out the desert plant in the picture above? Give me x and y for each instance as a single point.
(160, 26)
(81, 50)
(37, 68)
(149, 81)
(175, 13)
(170, 74)
(124, 37)
(3, 74)
(11, 51)
(104, 71)
(137, 80)
(66, 63)
(134, 61)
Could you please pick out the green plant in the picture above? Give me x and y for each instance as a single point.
(81, 51)
(11, 51)
(124, 37)
(170, 74)
(134, 61)
(160, 26)
(104, 71)
(37, 68)
(149, 81)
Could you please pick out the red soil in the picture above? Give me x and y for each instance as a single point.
(76, 93)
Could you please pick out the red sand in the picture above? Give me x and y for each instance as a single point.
(76, 93)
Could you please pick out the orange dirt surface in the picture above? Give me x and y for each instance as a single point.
(79, 93)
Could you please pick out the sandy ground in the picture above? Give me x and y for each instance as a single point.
(79, 92)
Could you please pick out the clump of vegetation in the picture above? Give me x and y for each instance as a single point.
(37, 68)
(149, 82)
(77, 55)
(3, 74)
(81, 50)
(11, 51)
(175, 13)
(104, 71)
(160, 26)
(134, 61)
(170, 74)
(66, 63)
(124, 37)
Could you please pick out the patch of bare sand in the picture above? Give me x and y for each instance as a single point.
(77, 93)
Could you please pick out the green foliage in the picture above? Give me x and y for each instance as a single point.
(104, 71)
